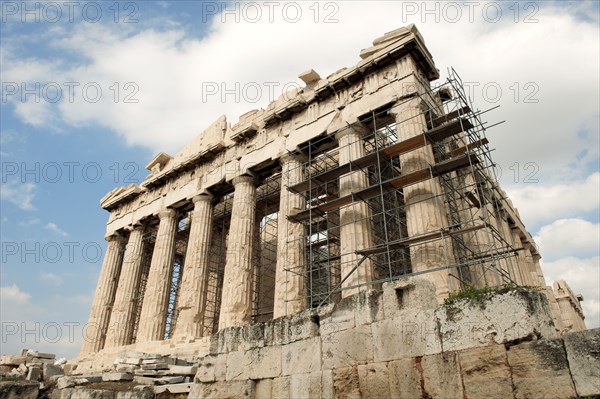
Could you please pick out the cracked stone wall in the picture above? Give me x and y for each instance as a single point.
(399, 343)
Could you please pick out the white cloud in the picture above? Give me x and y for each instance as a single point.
(20, 194)
(35, 113)
(51, 278)
(170, 68)
(569, 237)
(55, 229)
(29, 222)
(539, 203)
(583, 275)
(13, 295)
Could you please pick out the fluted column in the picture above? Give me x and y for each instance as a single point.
(291, 243)
(423, 211)
(355, 226)
(191, 301)
(156, 298)
(524, 264)
(95, 331)
(538, 276)
(236, 302)
(122, 317)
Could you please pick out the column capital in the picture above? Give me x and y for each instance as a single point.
(244, 179)
(292, 158)
(116, 236)
(359, 130)
(167, 213)
(134, 226)
(407, 103)
(202, 197)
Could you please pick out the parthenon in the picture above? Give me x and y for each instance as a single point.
(355, 180)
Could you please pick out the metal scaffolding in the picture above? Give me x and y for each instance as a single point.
(216, 263)
(181, 242)
(473, 241)
(148, 241)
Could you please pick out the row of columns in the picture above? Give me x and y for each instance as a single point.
(112, 318)
(113, 310)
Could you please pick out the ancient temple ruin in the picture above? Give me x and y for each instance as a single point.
(362, 178)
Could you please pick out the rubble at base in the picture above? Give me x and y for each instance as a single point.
(33, 375)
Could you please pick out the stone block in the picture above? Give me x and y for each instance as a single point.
(170, 380)
(301, 357)
(224, 389)
(496, 318)
(138, 379)
(12, 360)
(368, 307)
(280, 387)
(346, 382)
(415, 334)
(348, 347)
(155, 366)
(60, 393)
(263, 388)
(174, 389)
(295, 327)
(236, 366)
(263, 362)
(485, 373)
(136, 361)
(405, 379)
(251, 336)
(305, 386)
(374, 381)
(340, 318)
(407, 293)
(85, 393)
(221, 367)
(34, 374)
(327, 384)
(67, 382)
(206, 369)
(226, 340)
(540, 369)
(151, 373)
(41, 355)
(137, 394)
(583, 353)
(92, 378)
(19, 389)
(117, 377)
(182, 370)
(51, 370)
(126, 368)
(441, 376)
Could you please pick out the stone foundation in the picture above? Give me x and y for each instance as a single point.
(399, 343)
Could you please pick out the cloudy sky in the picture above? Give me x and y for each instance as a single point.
(91, 91)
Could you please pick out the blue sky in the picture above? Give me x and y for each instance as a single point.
(151, 76)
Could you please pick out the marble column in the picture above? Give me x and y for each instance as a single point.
(534, 258)
(524, 264)
(95, 332)
(120, 327)
(424, 212)
(236, 302)
(291, 242)
(156, 298)
(191, 301)
(355, 225)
